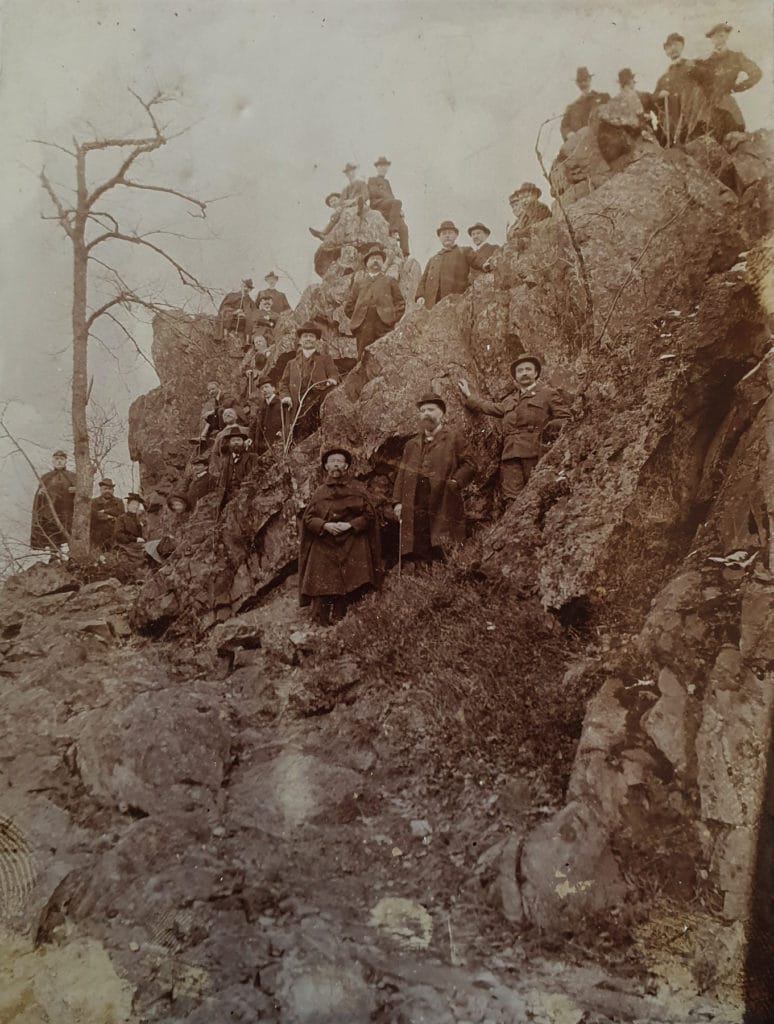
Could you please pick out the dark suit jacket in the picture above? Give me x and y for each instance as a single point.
(379, 190)
(577, 114)
(269, 424)
(299, 373)
(445, 274)
(232, 473)
(524, 415)
(128, 528)
(380, 293)
(478, 257)
(279, 300)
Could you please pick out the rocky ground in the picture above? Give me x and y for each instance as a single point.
(242, 830)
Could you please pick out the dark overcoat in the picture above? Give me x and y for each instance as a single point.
(524, 415)
(478, 257)
(449, 467)
(331, 566)
(59, 485)
(300, 373)
(233, 472)
(105, 510)
(380, 293)
(279, 300)
(577, 114)
(268, 427)
(129, 527)
(446, 273)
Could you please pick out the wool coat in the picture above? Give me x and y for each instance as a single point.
(333, 566)
(524, 415)
(129, 527)
(447, 463)
(300, 373)
(477, 257)
(279, 300)
(268, 426)
(59, 485)
(446, 273)
(380, 293)
(577, 114)
(105, 510)
(234, 470)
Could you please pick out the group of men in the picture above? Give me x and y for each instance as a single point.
(243, 315)
(691, 97)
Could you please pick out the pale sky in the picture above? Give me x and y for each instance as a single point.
(279, 97)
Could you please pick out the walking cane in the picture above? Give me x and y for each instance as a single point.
(666, 121)
(400, 544)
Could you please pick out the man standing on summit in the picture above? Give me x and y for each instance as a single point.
(446, 273)
(383, 200)
(577, 114)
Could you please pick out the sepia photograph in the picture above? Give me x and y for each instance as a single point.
(387, 512)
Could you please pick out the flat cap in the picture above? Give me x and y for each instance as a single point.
(374, 250)
(106, 482)
(59, 454)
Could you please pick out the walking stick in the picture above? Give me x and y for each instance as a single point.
(400, 544)
(666, 121)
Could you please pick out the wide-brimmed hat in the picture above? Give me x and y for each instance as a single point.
(309, 328)
(59, 454)
(382, 162)
(480, 227)
(134, 496)
(526, 188)
(722, 26)
(349, 166)
(332, 195)
(248, 281)
(674, 37)
(374, 250)
(336, 451)
(271, 274)
(583, 75)
(432, 399)
(447, 225)
(106, 482)
(526, 359)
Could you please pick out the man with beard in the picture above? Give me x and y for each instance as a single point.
(52, 507)
(237, 311)
(106, 508)
(305, 381)
(446, 273)
(525, 413)
(236, 465)
(427, 495)
(279, 300)
(375, 302)
(339, 557)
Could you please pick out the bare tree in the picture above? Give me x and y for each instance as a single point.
(89, 226)
(106, 431)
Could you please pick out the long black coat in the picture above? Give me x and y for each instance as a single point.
(449, 467)
(279, 300)
(577, 114)
(105, 510)
(57, 488)
(268, 427)
(334, 566)
(446, 273)
(232, 473)
(129, 527)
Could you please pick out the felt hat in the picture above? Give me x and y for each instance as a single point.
(271, 276)
(349, 166)
(309, 328)
(248, 281)
(374, 250)
(447, 225)
(722, 26)
(526, 359)
(335, 451)
(625, 76)
(178, 496)
(106, 482)
(332, 195)
(583, 75)
(674, 37)
(266, 380)
(480, 226)
(234, 430)
(382, 162)
(59, 454)
(525, 188)
(134, 496)
(431, 399)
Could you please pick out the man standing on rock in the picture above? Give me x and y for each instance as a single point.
(481, 254)
(237, 311)
(382, 199)
(268, 428)
(718, 74)
(577, 114)
(446, 273)
(339, 557)
(375, 302)
(427, 496)
(677, 98)
(52, 507)
(279, 300)
(525, 413)
(237, 465)
(106, 509)
(527, 211)
(305, 380)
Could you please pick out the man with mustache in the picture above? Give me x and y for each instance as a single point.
(427, 496)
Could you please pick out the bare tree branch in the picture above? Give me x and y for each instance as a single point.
(63, 214)
(185, 276)
(54, 145)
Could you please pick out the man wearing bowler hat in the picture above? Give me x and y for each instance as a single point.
(382, 199)
(305, 381)
(481, 254)
(427, 495)
(527, 211)
(577, 114)
(355, 192)
(279, 300)
(525, 414)
(718, 77)
(106, 509)
(447, 272)
(339, 557)
(375, 302)
(238, 463)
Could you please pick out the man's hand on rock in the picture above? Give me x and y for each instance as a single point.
(464, 387)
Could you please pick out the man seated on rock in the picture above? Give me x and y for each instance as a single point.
(52, 508)
(577, 114)
(678, 101)
(230, 418)
(212, 412)
(526, 413)
(237, 464)
(106, 508)
(427, 495)
(305, 381)
(333, 202)
(375, 302)
(527, 211)
(718, 77)
(270, 421)
(279, 300)
(130, 526)
(339, 558)
(237, 311)
(447, 272)
(481, 255)
(382, 199)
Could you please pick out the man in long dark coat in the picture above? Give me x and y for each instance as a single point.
(106, 508)
(269, 422)
(375, 302)
(577, 114)
(382, 199)
(678, 101)
(447, 272)
(481, 254)
(339, 557)
(427, 495)
(279, 300)
(718, 77)
(52, 507)
(525, 413)
(236, 465)
(305, 381)
(237, 311)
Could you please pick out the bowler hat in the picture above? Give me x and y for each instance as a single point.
(674, 37)
(526, 359)
(178, 496)
(248, 281)
(625, 76)
(59, 454)
(107, 482)
(309, 328)
(431, 399)
(349, 167)
(480, 226)
(382, 162)
(133, 496)
(524, 188)
(271, 276)
(234, 430)
(583, 75)
(447, 225)
(374, 250)
(335, 451)
(722, 26)
(265, 380)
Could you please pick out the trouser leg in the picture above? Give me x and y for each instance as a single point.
(514, 474)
